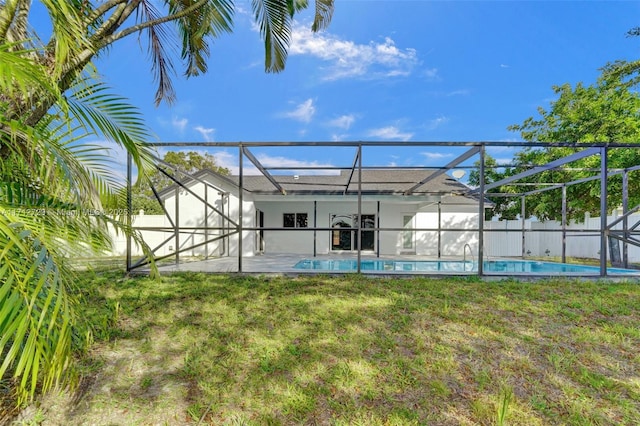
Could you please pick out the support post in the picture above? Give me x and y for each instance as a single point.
(358, 223)
(564, 223)
(522, 217)
(206, 221)
(603, 211)
(176, 230)
(223, 221)
(481, 215)
(625, 221)
(129, 208)
(439, 229)
(378, 230)
(315, 225)
(240, 205)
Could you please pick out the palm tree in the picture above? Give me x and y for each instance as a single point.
(51, 184)
(51, 101)
(81, 30)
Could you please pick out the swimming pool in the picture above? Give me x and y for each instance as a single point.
(500, 267)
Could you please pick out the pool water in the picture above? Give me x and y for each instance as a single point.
(456, 266)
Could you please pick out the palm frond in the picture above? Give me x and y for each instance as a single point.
(209, 20)
(13, 20)
(35, 309)
(19, 74)
(274, 20)
(37, 320)
(323, 15)
(111, 116)
(70, 35)
(161, 65)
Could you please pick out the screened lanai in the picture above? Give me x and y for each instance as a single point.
(413, 212)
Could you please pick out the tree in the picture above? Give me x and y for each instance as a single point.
(179, 162)
(49, 180)
(503, 207)
(82, 30)
(608, 111)
(51, 100)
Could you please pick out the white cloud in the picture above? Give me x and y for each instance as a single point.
(504, 161)
(179, 123)
(459, 92)
(348, 59)
(113, 166)
(343, 122)
(230, 161)
(389, 133)
(339, 137)
(436, 155)
(118, 155)
(241, 9)
(437, 122)
(292, 164)
(304, 112)
(207, 133)
(227, 160)
(432, 74)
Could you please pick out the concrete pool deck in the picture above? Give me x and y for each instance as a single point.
(279, 263)
(283, 264)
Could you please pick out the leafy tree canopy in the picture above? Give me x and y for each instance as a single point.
(607, 111)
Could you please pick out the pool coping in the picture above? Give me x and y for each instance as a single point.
(283, 264)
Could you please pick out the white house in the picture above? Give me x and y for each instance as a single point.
(401, 211)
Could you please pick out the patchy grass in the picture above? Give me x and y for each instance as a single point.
(212, 349)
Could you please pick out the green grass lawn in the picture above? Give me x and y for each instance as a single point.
(212, 349)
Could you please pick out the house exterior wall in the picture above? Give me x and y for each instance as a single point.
(446, 243)
(497, 243)
(193, 215)
(293, 240)
(192, 212)
(390, 215)
(152, 238)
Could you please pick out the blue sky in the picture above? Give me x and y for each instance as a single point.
(384, 71)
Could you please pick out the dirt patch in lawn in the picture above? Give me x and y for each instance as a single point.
(126, 382)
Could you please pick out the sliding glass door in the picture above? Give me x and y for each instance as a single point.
(347, 239)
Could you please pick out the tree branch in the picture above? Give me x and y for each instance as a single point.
(159, 21)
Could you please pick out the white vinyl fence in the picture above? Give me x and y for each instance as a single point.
(545, 238)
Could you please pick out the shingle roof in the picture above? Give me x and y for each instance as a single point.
(374, 181)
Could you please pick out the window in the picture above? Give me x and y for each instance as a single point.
(294, 220)
(409, 234)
